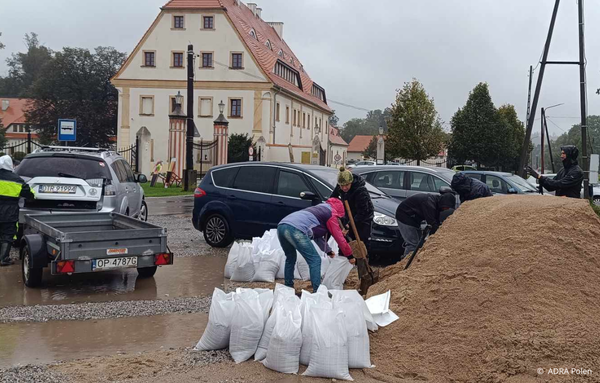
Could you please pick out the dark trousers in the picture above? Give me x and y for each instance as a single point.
(8, 231)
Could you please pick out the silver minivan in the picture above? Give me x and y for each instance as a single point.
(72, 179)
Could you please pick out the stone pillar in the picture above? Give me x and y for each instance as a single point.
(221, 135)
(177, 140)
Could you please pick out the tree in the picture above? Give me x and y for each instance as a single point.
(415, 131)
(515, 134)
(76, 84)
(368, 126)
(25, 68)
(333, 119)
(478, 131)
(238, 148)
(2, 46)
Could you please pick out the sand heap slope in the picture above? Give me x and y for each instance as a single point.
(507, 285)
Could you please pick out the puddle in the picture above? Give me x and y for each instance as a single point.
(39, 343)
(170, 206)
(187, 277)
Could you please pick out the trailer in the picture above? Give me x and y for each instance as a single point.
(73, 243)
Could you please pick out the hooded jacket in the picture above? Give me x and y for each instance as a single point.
(424, 207)
(12, 187)
(568, 180)
(359, 200)
(469, 188)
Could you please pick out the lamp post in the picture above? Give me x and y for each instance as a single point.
(177, 124)
(221, 136)
(380, 148)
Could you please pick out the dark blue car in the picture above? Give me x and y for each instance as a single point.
(242, 200)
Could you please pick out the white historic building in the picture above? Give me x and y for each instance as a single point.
(240, 60)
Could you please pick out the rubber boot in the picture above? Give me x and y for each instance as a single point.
(5, 254)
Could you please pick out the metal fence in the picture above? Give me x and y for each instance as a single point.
(131, 154)
(24, 147)
(205, 154)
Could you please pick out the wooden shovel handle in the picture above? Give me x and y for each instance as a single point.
(351, 221)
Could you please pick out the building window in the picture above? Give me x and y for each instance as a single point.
(287, 73)
(277, 113)
(177, 59)
(207, 60)
(308, 127)
(15, 128)
(280, 53)
(235, 107)
(287, 114)
(237, 61)
(178, 22)
(208, 22)
(253, 34)
(318, 92)
(146, 105)
(20, 128)
(295, 118)
(150, 59)
(304, 120)
(205, 106)
(172, 105)
(268, 44)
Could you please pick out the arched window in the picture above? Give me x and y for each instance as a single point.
(280, 53)
(268, 44)
(253, 34)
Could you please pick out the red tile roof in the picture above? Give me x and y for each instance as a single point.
(335, 138)
(244, 21)
(359, 143)
(15, 114)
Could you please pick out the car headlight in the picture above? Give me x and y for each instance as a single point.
(384, 220)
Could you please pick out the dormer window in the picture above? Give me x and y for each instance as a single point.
(253, 34)
(318, 92)
(268, 44)
(287, 73)
(280, 53)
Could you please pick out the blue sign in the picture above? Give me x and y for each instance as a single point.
(67, 130)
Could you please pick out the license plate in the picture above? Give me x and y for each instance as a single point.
(113, 263)
(57, 189)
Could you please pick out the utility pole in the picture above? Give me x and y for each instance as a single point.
(548, 138)
(538, 88)
(189, 176)
(542, 142)
(529, 104)
(583, 100)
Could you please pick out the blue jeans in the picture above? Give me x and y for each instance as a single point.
(292, 239)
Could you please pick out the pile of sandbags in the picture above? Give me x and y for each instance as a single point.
(329, 335)
(263, 260)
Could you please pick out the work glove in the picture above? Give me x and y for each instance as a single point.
(532, 172)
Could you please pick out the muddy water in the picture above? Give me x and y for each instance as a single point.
(193, 276)
(38, 343)
(170, 205)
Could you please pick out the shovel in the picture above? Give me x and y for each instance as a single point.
(359, 251)
(421, 242)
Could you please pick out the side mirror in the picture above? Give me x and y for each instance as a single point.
(446, 189)
(141, 178)
(512, 191)
(310, 196)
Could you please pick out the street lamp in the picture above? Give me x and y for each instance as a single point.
(221, 107)
(545, 126)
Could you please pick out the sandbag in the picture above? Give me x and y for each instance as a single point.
(281, 293)
(358, 336)
(263, 344)
(234, 252)
(283, 354)
(266, 266)
(320, 299)
(329, 350)
(281, 271)
(217, 331)
(302, 271)
(244, 267)
(283, 296)
(337, 272)
(246, 326)
(340, 296)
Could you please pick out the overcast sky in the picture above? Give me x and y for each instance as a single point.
(361, 54)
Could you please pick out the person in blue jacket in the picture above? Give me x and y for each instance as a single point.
(469, 188)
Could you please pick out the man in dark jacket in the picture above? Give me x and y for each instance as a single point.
(418, 208)
(567, 182)
(12, 187)
(354, 190)
(469, 188)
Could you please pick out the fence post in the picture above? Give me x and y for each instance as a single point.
(28, 141)
(137, 154)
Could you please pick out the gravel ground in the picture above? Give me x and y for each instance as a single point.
(32, 374)
(103, 310)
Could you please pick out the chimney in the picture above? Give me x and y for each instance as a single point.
(259, 13)
(278, 26)
(252, 7)
(5, 104)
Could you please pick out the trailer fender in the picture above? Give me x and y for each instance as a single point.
(37, 249)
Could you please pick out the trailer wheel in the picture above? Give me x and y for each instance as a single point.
(146, 272)
(32, 277)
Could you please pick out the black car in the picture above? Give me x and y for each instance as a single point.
(242, 200)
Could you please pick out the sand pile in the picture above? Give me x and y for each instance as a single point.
(507, 285)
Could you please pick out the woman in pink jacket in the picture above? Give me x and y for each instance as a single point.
(296, 231)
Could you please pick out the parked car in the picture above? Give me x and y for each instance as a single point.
(503, 183)
(70, 179)
(243, 200)
(362, 163)
(400, 182)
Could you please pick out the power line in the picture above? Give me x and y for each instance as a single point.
(348, 105)
(553, 123)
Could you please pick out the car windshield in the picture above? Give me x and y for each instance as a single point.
(57, 166)
(330, 176)
(521, 184)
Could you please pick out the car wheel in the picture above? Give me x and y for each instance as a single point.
(597, 200)
(31, 277)
(143, 212)
(146, 272)
(217, 231)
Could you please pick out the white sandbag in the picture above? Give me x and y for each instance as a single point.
(340, 296)
(325, 262)
(265, 298)
(217, 331)
(281, 271)
(302, 270)
(333, 245)
(231, 259)
(266, 266)
(320, 299)
(244, 267)
(246, 326)
(281, 293)
(337, 272)
(329, 351)
(358, 336)
(283, 296)
(263, 344)
(283, 354)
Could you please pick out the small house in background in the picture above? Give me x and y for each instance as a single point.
(12, 115)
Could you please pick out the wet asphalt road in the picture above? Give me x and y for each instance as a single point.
(195, 273)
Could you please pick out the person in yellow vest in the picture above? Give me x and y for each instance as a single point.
(12, 187)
